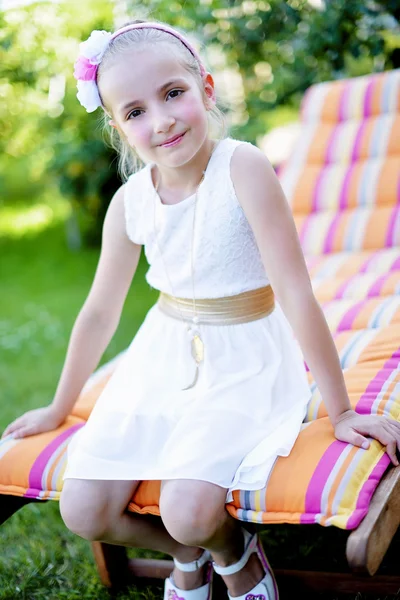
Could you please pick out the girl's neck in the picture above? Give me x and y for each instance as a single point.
(180, 182)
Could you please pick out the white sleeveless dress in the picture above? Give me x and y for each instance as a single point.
(251, 396)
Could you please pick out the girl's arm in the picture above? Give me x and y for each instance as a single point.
(95, 325)
(266, 208)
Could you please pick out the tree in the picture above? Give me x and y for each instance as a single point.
(45, 135)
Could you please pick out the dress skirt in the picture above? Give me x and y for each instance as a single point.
(245, 410)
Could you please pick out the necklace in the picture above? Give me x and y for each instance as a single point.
(197, 344)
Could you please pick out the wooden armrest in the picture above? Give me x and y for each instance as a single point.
(367, 545)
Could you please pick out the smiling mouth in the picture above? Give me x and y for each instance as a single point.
(173, 140)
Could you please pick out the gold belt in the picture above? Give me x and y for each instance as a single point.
(229, 310)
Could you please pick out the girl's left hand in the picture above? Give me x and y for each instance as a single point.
(351, 427)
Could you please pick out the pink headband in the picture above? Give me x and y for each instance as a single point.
(92, 51)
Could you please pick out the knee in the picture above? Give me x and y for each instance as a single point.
(82, 513)
(189, 515)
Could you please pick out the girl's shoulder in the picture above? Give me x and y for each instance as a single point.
(232, 151)
(229, 144)
(221, 159)
(249, 158)
(245, 146)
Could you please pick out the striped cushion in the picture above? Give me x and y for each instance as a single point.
(356, 140)
(337, 186)
(356, 287)
(344, 187)
(370, 312)
(358, 98)
(347, 158)
(346, 264)
(34, 467)
(362, 228)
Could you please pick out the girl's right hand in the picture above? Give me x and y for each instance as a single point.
(34, 421)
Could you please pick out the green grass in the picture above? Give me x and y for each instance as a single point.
(42, 560)
(43, 286)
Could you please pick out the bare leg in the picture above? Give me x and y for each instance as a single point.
(101, 515)
(194, 513)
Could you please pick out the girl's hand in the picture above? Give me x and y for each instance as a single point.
(352, 427)
(34, 421)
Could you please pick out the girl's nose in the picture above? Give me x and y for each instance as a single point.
(163, 122)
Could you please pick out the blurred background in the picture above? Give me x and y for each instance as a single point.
(57, 176)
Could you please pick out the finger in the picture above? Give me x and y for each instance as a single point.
(382, 433)
(23, 432)
(357, 439)
(396, 434)
(392, 427)
(393, 421)
(10, 429)
(397, 444)
(391, 451)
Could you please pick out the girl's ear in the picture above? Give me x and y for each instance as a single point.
(112, 123)
(209, 89)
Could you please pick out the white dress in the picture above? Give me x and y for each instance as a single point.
(251, 396)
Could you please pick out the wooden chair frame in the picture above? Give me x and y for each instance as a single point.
(365, 549)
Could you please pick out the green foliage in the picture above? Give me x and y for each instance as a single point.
(84, 165)
(45, 135)
(87, 174)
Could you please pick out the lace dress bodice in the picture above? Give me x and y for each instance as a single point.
(226, 257)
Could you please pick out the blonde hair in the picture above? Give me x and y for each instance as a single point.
(128, 160)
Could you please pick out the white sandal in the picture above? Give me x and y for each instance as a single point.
(267, 588)
(171, 592)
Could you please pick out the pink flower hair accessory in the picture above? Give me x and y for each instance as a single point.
(92, 51)
(85, 71)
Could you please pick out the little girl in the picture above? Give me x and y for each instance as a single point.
(212, 388)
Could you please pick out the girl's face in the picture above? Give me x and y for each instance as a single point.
(154, 99)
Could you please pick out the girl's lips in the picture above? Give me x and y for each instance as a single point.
(173, 142)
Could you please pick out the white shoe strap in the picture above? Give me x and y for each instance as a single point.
(250, 546)
(195, 564)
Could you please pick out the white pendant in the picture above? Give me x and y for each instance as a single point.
(197, 348)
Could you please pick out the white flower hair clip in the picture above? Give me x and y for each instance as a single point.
(92, 51)
(85, 72)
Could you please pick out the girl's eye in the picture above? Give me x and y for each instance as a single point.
(134, 113)
(137, 112)
(177, 92)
